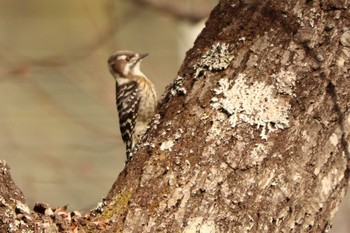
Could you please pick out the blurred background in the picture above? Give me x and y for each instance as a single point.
(58, 127)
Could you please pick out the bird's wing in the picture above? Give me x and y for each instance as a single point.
(128, 102)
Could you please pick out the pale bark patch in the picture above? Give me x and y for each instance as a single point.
(256, 104)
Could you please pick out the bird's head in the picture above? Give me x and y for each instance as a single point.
(122, 63)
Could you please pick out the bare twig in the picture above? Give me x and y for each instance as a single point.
(75, 54)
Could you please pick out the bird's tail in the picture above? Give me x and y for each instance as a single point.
(128, 150)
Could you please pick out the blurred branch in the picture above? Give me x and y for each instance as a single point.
(177, 10)
(75, 54)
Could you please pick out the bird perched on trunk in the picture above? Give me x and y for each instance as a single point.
(135, 95)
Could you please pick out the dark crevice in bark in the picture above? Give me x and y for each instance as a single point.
(331, 90)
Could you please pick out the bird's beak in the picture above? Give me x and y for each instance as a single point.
(143, 55)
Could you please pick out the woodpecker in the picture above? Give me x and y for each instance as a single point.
(135, 96)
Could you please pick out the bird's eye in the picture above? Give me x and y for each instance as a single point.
(127, 58)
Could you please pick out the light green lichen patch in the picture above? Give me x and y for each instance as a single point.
(256, 104)
(215, 59)
(116, 207)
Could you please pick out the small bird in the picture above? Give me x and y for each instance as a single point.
(135, 95)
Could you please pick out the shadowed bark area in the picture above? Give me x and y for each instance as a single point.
(252, 135)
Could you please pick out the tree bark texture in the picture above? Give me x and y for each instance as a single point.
(11, 201)
(252, 135)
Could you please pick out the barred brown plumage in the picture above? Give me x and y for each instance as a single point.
(135, 96)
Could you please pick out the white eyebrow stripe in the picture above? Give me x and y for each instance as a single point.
(122, 57)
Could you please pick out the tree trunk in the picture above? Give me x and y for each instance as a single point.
(252, 136)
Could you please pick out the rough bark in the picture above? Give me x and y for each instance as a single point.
(11, 200)
(252, 135)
